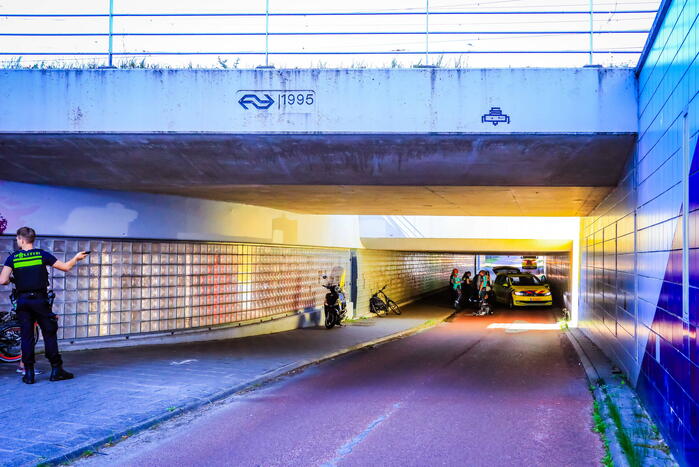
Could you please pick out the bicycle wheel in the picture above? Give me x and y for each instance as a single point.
(393, 306)
(10, 343)
(377, 308)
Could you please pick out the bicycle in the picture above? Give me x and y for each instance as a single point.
(380, 304)
(11, 332)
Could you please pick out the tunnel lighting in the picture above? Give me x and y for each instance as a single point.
(526, 326)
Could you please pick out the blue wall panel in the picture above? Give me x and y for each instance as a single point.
(636, 237)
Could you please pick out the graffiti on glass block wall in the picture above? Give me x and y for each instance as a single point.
(136, 287)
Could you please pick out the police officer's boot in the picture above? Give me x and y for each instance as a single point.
(28, 377)
(59, 374)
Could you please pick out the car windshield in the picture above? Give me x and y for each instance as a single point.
(525, 280)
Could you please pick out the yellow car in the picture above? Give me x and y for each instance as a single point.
(521, 289)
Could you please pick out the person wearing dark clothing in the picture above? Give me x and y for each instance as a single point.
(467, 286)
(466, 280)
(28, 267)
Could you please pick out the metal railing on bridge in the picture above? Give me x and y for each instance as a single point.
(427, 34)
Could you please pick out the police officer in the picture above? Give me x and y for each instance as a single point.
(28, 266)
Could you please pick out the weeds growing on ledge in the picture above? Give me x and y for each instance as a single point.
(601, 429)
(226, 62)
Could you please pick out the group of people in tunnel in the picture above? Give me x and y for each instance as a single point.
(466, 286)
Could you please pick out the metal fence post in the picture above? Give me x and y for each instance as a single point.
(267, 33)
(427, 32)
(111, 31)
(592, 31)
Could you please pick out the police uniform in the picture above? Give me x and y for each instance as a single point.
(31, 282)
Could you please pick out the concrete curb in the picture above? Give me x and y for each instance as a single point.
(593, 377)
(260, 380)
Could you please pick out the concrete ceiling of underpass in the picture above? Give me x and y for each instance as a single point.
(420, 174)
(413, 200)
(472, 245)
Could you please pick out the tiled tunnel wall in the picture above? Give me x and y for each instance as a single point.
(134, 287)
(638, 295)
(608, 292)
(558, 276)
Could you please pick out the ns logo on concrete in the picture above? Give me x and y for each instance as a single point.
(277, 100)
(257, 102)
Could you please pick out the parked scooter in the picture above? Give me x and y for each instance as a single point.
(335, 305)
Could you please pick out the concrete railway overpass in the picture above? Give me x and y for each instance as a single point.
(329, 141)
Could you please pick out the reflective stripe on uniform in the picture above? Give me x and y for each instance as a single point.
(27, 262)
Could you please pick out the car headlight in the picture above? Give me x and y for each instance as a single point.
(520, 293)
(547, 294)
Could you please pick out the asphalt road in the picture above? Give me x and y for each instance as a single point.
(460, 394)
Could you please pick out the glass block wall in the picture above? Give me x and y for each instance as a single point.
(132, 287)
(129, 287)
(408, 274)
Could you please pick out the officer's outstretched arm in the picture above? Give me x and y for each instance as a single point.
(68, 265)
(5, 275)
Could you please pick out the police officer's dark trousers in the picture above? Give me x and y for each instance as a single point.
(34, 308)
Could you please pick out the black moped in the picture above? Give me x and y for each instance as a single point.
(335, 305)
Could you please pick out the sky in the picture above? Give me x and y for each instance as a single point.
(325, 51)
